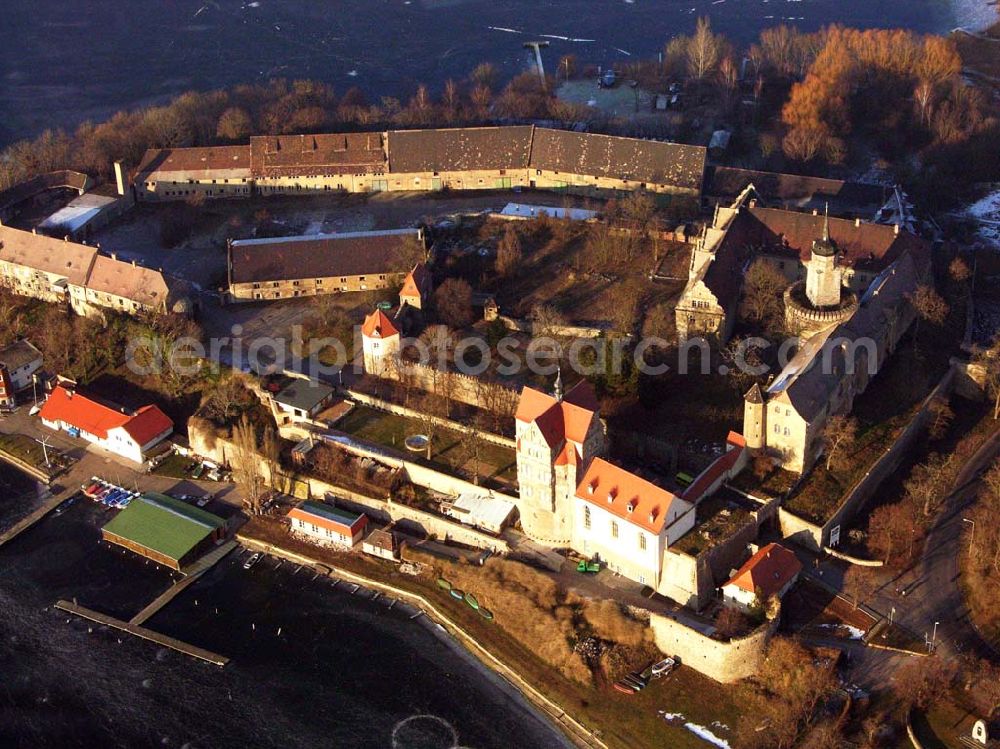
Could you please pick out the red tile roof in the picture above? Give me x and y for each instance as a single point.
(767, 571)
(568, 419)
(630, 497)
(378, 325)
(148, 423)
(416, 281)
(97, 419)
(735, 444)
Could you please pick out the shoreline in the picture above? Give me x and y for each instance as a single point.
(511, 684)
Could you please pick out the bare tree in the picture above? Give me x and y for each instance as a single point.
(988, 358)
(841, 430)
(453, 302)
(271, 450)
(246, 462)
(941, 416)
(509, 252)
(703, 50)
(929, 306)
(761, 301)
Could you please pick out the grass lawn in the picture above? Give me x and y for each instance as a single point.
(174, 467)
(623, 720)
(496, 462)
(942, 725)
(26, 449)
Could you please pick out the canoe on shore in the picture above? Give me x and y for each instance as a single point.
(624, 688)
(456, 593)
(442, 583)
(486, 614)
(471, 600)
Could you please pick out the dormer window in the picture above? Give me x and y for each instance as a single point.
(611, 496)
(630, 507)
(652, 517)
(591, 487)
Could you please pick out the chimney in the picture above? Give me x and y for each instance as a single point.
(34, 230)
(857, 221)
(815, 212)
(895, 228)
(133, 264)
(65, 237)
(114, 255)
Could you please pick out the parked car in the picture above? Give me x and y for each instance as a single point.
(607, 79)
(664, 667)
(252, 561)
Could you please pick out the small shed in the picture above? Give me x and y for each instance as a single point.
(719, 143)
(382, 543)
(485, 511)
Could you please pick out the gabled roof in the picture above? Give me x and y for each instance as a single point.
(16, 355)
(317, 155)
(630, 497)
(318, 255)
(178, 163)
(146, 286)
(163, 524)
(767, 571)
(861, 244)
(416, 281)
(378, 325)
(96, 418)
(56, 256)
(459, 149)
(148, 423)
(609, 156)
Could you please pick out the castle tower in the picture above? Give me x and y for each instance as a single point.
(754, 418)
(557, 437)
(823, 276)
(379, 344)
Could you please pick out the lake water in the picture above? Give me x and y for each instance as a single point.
(342, 672)
(65, 61)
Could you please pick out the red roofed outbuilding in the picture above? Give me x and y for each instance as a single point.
(125, 433)
(380, 343)
(768, 573)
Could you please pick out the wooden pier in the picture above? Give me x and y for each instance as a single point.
(145, 634)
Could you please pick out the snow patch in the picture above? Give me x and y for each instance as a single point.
(703, 733)
(986, 211)
(853, 632)
(671, 716)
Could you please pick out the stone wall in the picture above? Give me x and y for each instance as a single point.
(463, 388)
(725, 661)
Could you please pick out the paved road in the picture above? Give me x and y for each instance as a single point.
(932, 583)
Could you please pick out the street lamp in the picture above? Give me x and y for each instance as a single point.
(934, 637)
(972, 535)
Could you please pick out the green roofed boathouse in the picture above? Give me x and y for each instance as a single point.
(166, 530)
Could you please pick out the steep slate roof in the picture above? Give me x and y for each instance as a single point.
(163, 524)
(861, 244)
(303, 394)
(767, 571)
(90, 416)
(56, 256)
(378, 325)
(459, 149)
(194, 162)
(728, 182)
(630, 497)
(15, 355)
(135, 282)
(327, 516)
(618, 158)
(318, 255)
(806, 383)
(381, 539)
(326, 154)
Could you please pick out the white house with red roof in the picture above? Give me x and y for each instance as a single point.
(628, 522)
(767, 574)
(557, 438)
(128, 434)
(380, 344)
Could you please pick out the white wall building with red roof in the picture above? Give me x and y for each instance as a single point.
(128, 434)
(380, 344)
(628, 522)
(557, 437)
(767, 574)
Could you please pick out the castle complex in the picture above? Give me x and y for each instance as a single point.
(847, 299)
